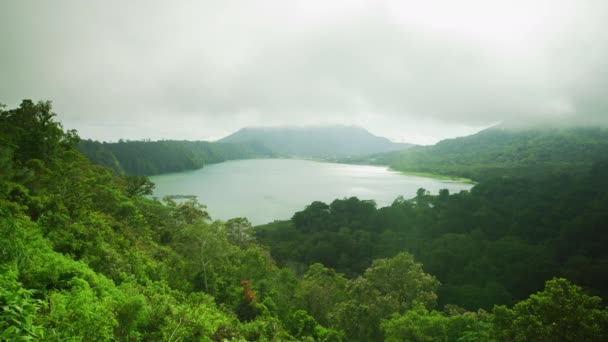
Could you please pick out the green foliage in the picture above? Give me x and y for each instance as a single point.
(139, 186)
(320, 291)
(132, 311)
(302, 325)
(11, 238)
(18, 317)
(420, 324)
(32, 133)
(337, 235)
(155, 157)
(400, 278)
(99, 155)
(496, 244)
(194, 319)
(239, 231)
(389, 286)
(106, 263)
(85, 255)
(81, 311)
(499, 151)
(560, 312)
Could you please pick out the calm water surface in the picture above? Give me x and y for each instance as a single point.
(264, 190)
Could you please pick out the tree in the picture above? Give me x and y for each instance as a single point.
(205, 247)
(389, 286)
(188, 212)
(138, 186)
(311, 218)
(420, 324)
(33, 132)
(561, 312)
(403, 279)
(247, 308)
(239, 231)
(320, 290)
(302, 325)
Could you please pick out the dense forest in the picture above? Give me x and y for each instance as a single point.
(500, 151)
(493, 245)
(155, 157)
(86, 255)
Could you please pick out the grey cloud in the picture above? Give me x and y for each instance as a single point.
(223, 64)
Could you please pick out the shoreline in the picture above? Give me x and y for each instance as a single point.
(408, 173)
(434, 176)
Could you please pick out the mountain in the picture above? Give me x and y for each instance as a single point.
(500, 151)
(316, 141)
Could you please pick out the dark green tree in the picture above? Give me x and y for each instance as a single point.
(561, 312)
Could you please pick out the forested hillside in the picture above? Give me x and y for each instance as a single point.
(494, 245)
(155, 157)
(502, 151)
(86, 256)
(316, 142)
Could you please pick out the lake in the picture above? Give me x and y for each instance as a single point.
(264, 190)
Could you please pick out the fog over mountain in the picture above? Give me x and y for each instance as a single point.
(408, 70)
(303, 170)
(315, 141)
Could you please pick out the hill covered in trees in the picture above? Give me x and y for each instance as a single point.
(493, 245)
(85, 255)
(493, 152)
(316, 142)
(155, 157)
(500, 151)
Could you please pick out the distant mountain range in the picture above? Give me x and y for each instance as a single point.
(155, 157)
(496, 151)
(316, 141)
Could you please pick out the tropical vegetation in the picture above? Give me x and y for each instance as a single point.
(87, 255)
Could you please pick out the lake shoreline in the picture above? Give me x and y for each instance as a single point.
(434, 176)
(330, 161)
(264, 190)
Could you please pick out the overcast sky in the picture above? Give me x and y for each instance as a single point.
(415, 71)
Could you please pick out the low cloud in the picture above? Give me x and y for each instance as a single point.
(403, 69)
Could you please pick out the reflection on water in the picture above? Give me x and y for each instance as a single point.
(264, 190)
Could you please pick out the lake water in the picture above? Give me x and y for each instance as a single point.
(264, 190)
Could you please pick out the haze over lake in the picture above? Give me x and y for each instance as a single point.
(264, 190)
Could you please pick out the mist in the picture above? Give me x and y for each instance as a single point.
(409, 71)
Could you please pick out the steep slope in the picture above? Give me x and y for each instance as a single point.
(500, 151)
(316, 142)
(155, 157)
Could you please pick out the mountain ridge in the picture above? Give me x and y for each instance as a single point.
(316, 141)
(501, 151)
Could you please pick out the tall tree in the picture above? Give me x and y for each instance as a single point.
(561, 312)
